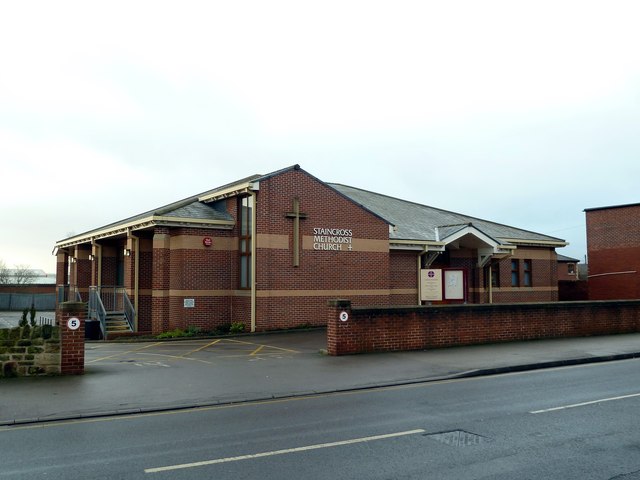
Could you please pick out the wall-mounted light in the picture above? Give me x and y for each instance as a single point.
(72, 259)
(92, 257)
(127, 252)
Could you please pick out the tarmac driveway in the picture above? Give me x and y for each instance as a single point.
(203, 352)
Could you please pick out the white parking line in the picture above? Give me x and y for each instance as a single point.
(282, 452)
(585, 403)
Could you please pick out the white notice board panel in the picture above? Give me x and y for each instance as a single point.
(431, 285)
(454, 285)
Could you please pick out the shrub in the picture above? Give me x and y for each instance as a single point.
(237, 327)
(222, 329)
(32, 315)
(192, 331)
(23, 321)
(172, 334)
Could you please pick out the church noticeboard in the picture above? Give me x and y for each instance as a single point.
(454, 285)
(437, 285)
(431, 285)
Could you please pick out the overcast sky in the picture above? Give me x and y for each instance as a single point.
(519, 112)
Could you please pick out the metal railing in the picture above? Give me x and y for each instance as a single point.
(110, 300)
(129, 312)
(97, 310)
(45, 321)
(68, 293)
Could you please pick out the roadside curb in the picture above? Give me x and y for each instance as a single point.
(259, 399)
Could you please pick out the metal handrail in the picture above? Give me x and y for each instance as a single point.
(68, 293)
(97, 310)
(111, 299)
(129, 311)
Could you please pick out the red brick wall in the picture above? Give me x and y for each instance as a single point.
(613, 245)
(82, 270)
(544, 268)
(289, 296)
(416, 328)
(62, 268)
(72, 341)
(573, 290)
(563, 271)
(161, 263)
(109, 265)
(32, 288)
(203, 274)
(403, 268)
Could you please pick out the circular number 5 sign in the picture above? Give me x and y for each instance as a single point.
(73, 323)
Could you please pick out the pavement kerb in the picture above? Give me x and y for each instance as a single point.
(258, 399)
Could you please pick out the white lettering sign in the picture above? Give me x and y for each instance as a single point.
(336, 239)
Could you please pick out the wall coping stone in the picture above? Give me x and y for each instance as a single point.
(492, 306)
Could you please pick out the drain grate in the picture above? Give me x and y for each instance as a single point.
(458, 438)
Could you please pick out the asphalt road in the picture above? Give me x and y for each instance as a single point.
(569, 423)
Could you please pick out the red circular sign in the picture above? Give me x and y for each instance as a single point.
(207, 241)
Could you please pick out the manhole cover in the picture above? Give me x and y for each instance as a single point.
(458, 438)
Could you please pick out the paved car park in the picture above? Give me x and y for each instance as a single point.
(211, 352)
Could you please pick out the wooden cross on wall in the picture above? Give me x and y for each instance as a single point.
(296, 215)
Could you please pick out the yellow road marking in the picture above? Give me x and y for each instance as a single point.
(283, 349)
(175, 357)
(257, 350)
(268, 346)
(124, 353)
(201, 348)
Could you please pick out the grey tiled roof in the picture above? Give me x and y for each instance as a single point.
(200, 211)
(418, 222)
(564, 258)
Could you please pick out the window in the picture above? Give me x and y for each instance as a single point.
(245, 218)
(571, 268)
(495, 275)
(527, 274)
(515, 273)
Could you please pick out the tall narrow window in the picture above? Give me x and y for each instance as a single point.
(527, 274)
(245, 218)
(495, 275)
(515, 273)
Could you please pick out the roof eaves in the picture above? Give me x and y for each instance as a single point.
(140, 224)
(612, 207)
(536, 243)
(469, 228)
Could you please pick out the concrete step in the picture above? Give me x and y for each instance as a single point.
(117, 323)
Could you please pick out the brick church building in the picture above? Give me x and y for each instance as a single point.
(269, 251)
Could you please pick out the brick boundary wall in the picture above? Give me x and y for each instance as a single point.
(417, 328)
(71, 341)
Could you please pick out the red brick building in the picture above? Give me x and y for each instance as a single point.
(613, 248)
(568, 269)
(268, 251)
